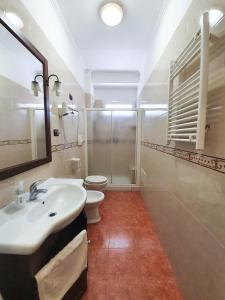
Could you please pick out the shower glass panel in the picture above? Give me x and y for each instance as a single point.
(123, 147)
(99, 143)
(111, 137)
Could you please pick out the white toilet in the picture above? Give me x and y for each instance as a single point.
(94, 184)
(94, 198)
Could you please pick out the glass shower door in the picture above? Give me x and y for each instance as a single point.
(123, 147)
(99, 143)
(111, 141)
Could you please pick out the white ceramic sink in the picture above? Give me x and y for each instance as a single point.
(24, 229)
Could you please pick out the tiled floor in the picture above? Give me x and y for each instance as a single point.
(126, 260)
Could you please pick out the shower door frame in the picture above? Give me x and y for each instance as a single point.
(137, 148)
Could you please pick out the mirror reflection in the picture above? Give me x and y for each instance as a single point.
(22, 116)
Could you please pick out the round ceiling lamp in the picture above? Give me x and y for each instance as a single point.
(111, 14)
(14, 19)
(215, 16)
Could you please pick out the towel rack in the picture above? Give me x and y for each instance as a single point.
(188, 90)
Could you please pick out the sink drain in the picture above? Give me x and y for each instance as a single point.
(52, 214)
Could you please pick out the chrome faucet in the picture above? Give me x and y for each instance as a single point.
(34, 191)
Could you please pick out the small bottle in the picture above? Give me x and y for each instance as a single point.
(20, 193)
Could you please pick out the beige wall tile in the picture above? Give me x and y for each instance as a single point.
(185, 200)
(194, 248)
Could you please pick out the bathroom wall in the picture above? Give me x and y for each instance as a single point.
(65, 146)
(49, 17)
(120, 86)
(115, 77)
(25, 140)
(124, 95)
(171, 15)
(185, 190)
(15, 145)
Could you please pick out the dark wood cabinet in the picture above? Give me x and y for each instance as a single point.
(17, 271)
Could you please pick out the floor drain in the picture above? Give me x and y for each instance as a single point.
(52, 214)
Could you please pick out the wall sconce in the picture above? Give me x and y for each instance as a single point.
(35, 87)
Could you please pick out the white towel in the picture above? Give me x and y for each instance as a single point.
(57, 277)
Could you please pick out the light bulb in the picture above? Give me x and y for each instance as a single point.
(14, 19)
(111, 14)
(214, 16)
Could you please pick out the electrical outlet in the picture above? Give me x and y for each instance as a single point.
(56, 132)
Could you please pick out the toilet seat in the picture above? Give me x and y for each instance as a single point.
(96, 179)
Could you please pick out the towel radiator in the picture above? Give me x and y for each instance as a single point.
(188, 90)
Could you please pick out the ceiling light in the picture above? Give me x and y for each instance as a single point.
(14, 19)
(214, 16)
(111, 14)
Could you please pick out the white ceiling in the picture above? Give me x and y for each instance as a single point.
(104, 48)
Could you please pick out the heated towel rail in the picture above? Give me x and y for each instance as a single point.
(189, 89)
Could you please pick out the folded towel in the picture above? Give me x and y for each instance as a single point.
(57, 277)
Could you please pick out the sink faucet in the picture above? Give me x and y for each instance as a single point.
(34, 191)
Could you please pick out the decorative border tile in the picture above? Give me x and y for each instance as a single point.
(54, 148)
(210, 162)
(61, 147)
(15, 142)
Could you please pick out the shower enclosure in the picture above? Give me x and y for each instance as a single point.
(112, 145)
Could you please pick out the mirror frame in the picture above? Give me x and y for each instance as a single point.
(20, 168)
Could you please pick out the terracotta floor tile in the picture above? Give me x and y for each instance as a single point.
(125, 257)
(123, 264)
(97, 262)
(121, 238)
(99, 237)
(145, 239)
(158, 290)
(97, 289)
(153, 265)
(125, 290)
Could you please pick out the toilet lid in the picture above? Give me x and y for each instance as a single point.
(96, 179)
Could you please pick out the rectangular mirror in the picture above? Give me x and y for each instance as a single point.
(25, 140)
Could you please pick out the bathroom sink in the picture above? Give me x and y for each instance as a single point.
(24, 229)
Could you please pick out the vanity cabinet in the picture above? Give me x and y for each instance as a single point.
(17, 271)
